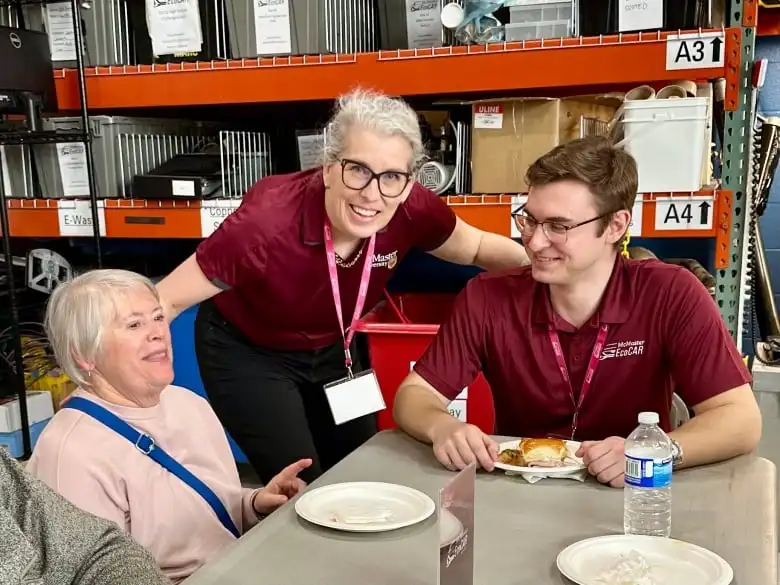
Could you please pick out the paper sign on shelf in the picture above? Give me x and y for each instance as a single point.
(456, 529)
(213, 213)
(684, 213)
(174, 27)
(640, 15)
(75, 217)
(695, 50)
(72, 162)
(310, 149)
(635, 229)
(273, 32)
(423, 24)
(457, 407)
(59, 26)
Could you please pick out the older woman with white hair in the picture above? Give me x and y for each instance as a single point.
(284, 279)
(130, 447)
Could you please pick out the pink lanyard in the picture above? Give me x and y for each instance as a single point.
(595, 357)
(330, 250)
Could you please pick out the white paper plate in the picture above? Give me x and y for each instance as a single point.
(450, 528)
(673, 562)
(364, 506)
(548, 471)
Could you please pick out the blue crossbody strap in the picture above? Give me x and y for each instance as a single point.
(146, 445)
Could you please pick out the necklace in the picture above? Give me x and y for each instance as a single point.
(344, 264)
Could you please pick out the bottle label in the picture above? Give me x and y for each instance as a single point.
(648, 473)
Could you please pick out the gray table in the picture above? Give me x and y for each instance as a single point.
(728, 508)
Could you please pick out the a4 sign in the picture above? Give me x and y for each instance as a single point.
(689, 213)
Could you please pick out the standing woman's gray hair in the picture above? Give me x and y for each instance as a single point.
(369, 110)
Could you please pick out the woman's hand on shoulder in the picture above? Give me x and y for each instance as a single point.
(281, 488)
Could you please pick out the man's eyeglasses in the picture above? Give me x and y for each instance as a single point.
(358, 176)
(554, 231)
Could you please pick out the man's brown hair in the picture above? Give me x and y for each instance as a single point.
(610, 173)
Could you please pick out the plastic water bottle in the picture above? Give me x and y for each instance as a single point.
(647, 504)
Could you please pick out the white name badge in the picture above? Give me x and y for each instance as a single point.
(351, 398)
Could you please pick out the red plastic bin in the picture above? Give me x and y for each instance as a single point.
(398, 333)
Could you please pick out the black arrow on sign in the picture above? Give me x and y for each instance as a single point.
(717, 43)
(705, 212)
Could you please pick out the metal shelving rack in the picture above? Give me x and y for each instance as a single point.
(556, 63)
(737, 164)
(29, 137)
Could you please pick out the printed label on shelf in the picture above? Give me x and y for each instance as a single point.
(310, 150)
(174, 27)
(72, 159)
(7, 189)
(273, 32)
(75, 218)
(695, 50)
(423, 24)
(181, 188)
(489, 116)
(59, 26)
(690, 213)
(213, 213)
(640, 15)
(635, 229)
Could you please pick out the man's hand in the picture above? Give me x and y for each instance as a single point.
(457, 444)
(605, 459)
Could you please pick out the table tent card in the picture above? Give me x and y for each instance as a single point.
(456, 529)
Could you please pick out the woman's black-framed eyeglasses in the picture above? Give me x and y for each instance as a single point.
(554, 231)
(358, 176)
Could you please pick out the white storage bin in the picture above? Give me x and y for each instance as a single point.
(538, 30)
(666, 137)
(40, 410)
(542, 12)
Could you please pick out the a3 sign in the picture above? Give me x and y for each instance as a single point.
(695, 51)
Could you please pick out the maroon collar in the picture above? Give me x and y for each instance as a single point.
(615, 306)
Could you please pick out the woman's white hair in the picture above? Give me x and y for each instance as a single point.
(378, 113)
(80, 310)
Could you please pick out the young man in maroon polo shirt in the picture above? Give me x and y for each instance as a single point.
(582, 340)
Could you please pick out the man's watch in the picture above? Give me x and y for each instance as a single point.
(677, 454)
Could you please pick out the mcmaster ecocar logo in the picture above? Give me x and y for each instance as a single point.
(623, 349)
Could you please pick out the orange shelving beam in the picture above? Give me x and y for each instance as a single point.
(501, 67)
(151, 219)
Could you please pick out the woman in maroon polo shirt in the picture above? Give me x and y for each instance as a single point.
(304, 256)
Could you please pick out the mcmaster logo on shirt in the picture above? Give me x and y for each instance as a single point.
(385, 260)
(623, 349)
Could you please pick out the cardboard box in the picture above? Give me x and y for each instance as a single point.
(508, 135)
